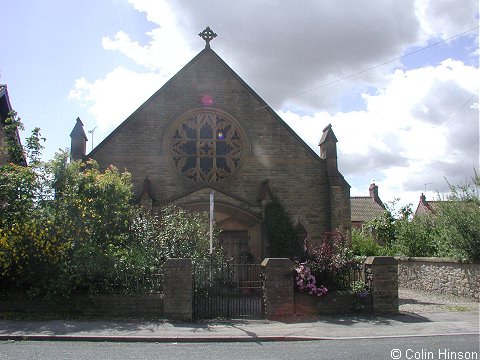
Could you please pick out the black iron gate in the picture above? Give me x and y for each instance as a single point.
(227, 290)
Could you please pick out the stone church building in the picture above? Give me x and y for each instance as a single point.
(205, 130)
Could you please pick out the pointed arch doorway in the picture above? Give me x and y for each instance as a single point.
(240, 231)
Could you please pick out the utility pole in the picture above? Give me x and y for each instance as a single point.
(212, 218)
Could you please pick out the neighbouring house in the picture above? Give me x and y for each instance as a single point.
(207, 130)
(366, 208)
(5, 109)
(425, 207)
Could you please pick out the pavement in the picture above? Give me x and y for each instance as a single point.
(321, 328)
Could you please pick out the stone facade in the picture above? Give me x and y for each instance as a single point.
(264, 150)
(444, 276)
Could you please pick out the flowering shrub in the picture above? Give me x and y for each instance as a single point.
(360, 289)
(306, 281)
(362, 294)
(332, 265)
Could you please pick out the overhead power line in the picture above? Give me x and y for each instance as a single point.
(374, 67)
(460, 110)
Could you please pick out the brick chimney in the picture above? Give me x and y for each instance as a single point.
(423, 200)
(373, 189)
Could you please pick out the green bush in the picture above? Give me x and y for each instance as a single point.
(67, 226)
(416, 237)
(364, 244)
(452, 230)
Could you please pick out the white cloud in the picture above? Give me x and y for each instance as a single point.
(402, 130)
(444, 18)
(112, 99)
(415, 131)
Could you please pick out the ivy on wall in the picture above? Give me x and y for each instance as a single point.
(284, 238)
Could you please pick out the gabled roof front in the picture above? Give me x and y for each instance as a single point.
(207, 51)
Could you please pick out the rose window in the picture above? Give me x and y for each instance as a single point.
(206, 146)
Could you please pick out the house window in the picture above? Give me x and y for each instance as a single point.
(206, 146)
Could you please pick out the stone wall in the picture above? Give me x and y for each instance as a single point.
(176, 303)
(444, 276)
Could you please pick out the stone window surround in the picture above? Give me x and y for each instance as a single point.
(242, 143)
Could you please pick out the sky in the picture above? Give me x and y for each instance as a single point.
(398, 80)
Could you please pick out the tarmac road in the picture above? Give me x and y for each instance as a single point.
(429, 347)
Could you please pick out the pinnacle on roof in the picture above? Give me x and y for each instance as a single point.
(78, 130)
(328, 134)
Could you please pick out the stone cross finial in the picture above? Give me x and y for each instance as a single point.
(207, 35)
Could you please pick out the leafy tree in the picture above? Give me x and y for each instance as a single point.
(67, 226)
(13, 149)
(416, 237)
(403, 235)
(20, 186)
(17, 188)
(458, 220)
(383, 228)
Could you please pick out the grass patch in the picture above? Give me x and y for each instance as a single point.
(458, 308)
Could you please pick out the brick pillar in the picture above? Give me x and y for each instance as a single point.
(278, 288)
(177, 289)
(381, 272)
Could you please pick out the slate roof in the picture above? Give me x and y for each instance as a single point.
(364, 208)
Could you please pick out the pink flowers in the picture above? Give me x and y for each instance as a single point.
(306, 281)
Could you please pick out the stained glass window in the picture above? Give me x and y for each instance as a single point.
(206, 146)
